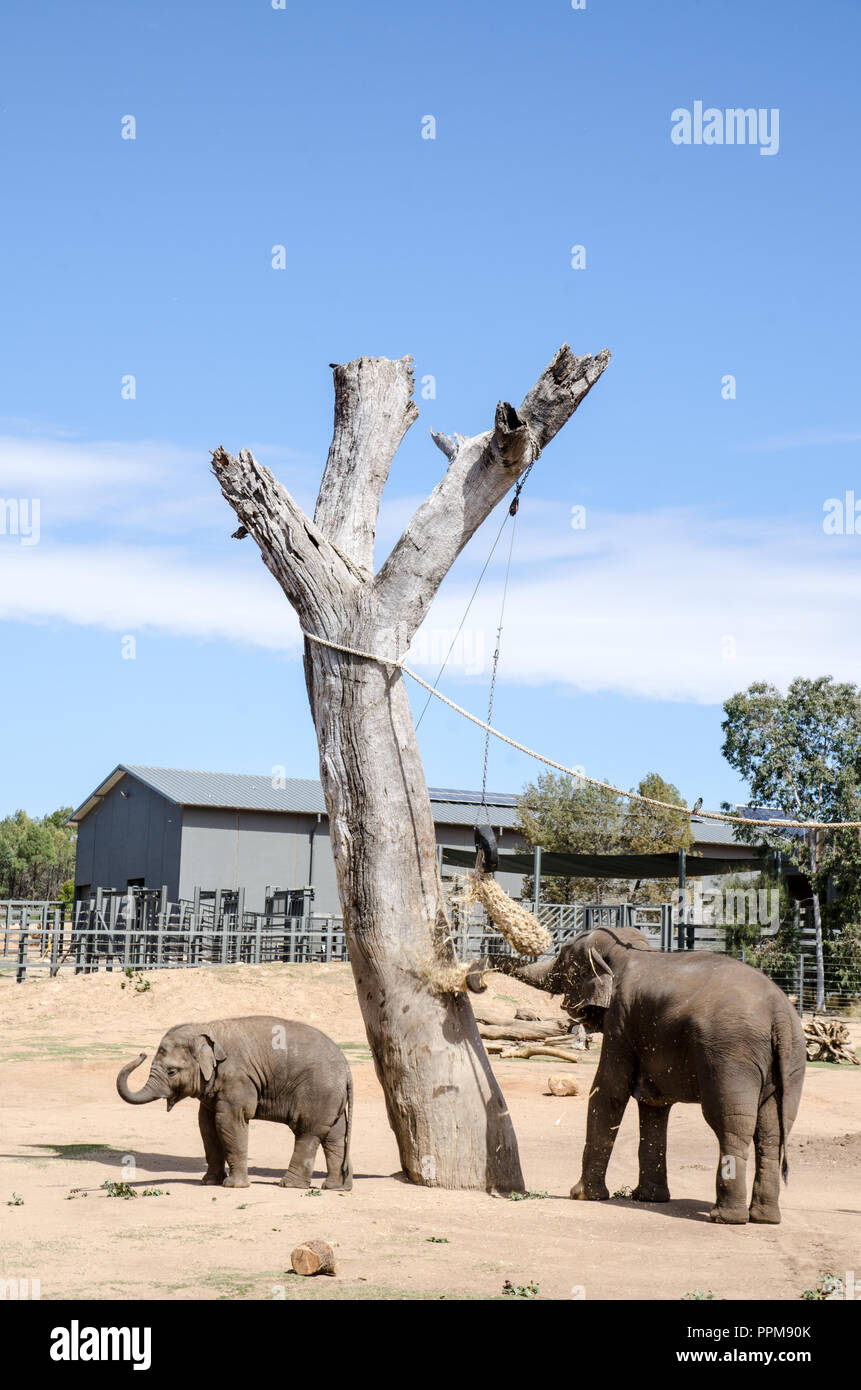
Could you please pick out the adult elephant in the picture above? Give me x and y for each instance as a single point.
(692, 1027)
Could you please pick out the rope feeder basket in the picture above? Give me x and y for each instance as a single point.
(523, 932)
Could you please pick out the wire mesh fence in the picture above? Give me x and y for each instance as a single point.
(140, 930)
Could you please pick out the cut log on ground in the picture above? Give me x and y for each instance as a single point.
(516, 1031)
(313, 1257)
(563, 1085)
(829, 1041)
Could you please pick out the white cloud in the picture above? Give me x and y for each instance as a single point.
(144, 486)
(127, 589)
(669, 604)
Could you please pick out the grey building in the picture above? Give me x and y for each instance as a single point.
(154, 826)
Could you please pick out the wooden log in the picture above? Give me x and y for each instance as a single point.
(538, 1050)
(313, 1257)
(829, 1041)
(563, 1085)
(519, 1032)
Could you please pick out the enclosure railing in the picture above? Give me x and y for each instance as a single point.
(137, 930)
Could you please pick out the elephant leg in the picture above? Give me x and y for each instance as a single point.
(607, 1100)
(301, 1168)
(652, 1186)
(232, 1130)
(333, 1148)
(764, 1203)
(734, 1128)
(216, 1170)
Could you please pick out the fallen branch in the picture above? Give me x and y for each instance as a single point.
(534, 1050)
(829, 1041)
(517, 1031)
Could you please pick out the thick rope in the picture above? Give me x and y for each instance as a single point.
(581, 776)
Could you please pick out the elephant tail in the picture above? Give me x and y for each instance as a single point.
(345, 1166)
(782, 1052)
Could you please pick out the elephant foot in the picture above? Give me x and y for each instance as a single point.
(650, 1192)
(237, 1180)
(213, 1179)
(346, 1186)
(765, 1215)
(729, 1216)
(291, 1180)
(589, 1192)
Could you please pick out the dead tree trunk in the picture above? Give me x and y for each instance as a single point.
(443, 1102)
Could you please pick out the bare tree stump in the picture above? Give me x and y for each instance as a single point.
(444, 1104)
(829, 1041)
(562, 1085)
(313, 1257)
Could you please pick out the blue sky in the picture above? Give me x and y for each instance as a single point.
(703, 564)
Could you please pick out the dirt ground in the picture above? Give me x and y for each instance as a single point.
(64, 1131)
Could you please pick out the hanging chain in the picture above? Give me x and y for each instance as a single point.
(512, 512)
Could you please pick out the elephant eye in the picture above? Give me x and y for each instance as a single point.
(171, 1071)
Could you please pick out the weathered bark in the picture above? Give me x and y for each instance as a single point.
(313, 1257)
(443, 1102)
(520, 1032)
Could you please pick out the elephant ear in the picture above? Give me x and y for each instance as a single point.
(597, 988)
(208, 1052)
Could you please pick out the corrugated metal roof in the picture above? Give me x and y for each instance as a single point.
(713, 832)
(244, 792)
(304, 795)
(236, 790)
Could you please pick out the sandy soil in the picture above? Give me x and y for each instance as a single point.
(64, 1131)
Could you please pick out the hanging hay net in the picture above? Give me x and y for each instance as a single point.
(523, 932)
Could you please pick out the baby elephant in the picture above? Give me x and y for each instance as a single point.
(259, 1068)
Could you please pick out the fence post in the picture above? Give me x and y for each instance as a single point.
(159, 937)
(801, 984)
(55, 944)
(21, 972)
(258, 938)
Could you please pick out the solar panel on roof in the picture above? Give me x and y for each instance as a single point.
(471, 798)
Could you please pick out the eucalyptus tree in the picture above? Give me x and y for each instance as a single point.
(801, 753)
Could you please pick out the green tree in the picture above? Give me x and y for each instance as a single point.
(37, 855)
(801, 753)
(565, 815)
(650, 830)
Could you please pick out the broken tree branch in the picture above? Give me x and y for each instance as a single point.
(373, 411)
(310, 569)
(480, 472)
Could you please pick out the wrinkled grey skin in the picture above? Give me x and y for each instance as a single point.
(692, 1027)
(259, 1068)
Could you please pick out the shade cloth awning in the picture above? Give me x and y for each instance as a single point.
(612, 865)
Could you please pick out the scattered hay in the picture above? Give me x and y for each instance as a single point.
(446, 978)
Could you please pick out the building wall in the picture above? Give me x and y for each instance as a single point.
(144, 836)
(130, 837)
(223, 848)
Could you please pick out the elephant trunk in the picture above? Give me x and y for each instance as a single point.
(151, 1091)
(539, 974)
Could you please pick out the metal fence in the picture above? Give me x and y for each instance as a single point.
(140, 930)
